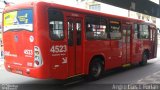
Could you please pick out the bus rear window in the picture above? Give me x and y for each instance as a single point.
(18, 20)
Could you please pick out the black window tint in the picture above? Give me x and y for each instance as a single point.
(55, 24)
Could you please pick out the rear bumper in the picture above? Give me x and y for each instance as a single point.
(40, 72)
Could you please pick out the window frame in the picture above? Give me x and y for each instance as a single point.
(97, 21)
(140, 32)
(120, 30)
(63, 29)
(136, 30)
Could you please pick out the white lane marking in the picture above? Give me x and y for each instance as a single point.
(150, 78)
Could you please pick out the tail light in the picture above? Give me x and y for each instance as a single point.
(37, 57)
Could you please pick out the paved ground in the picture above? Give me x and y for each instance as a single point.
(150, 79)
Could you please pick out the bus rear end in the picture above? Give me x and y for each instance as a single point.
(22, 56)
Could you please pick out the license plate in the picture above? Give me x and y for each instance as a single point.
(18, 71)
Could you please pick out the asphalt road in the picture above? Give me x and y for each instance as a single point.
(148, 74)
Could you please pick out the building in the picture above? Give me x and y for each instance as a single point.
(105, 8)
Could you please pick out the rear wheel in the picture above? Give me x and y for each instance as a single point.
(144, 59)
(95, 69)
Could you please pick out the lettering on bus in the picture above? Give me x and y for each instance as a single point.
(28, 53)
(7, 53)
(58, 49)
(20, 19)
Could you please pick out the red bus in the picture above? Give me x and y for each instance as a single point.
(47, 40)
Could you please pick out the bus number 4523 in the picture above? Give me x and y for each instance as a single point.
(58, 49)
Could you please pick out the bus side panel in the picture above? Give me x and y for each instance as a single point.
(115, 54)
(97, 47)
(136, 51)
(55, 61)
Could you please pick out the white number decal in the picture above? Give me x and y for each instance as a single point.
(64, 60)
(28, 52)
(58, 48)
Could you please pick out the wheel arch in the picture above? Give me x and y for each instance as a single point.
(102, 59)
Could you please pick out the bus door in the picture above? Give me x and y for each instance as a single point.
(153, 36)
(126, 39)
(74, 45)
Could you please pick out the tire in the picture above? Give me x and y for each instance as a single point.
(144, 59)
(95, 69)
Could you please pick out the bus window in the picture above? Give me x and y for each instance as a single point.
(96, 28)
(70, 32)
(144, 32)
(78, 27)
(115, 32)
(55, 24)
(136, 31)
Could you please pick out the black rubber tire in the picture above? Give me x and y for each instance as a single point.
(96, 69)
(144, 59)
